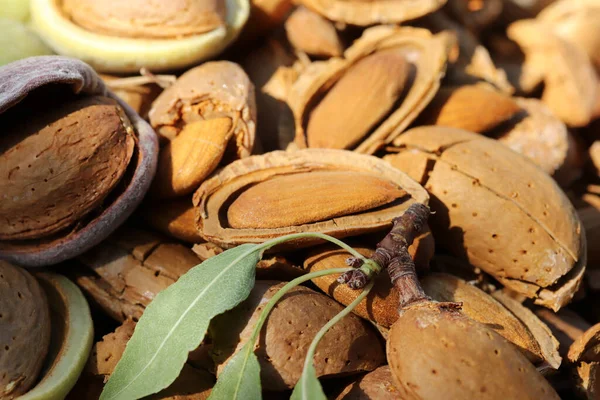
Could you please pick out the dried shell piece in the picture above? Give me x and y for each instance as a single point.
(61, 78)
(476, 108)
(307, 31)
(481, 307)
(365, 13)
(384, 192)
(381, 305)
(191, 384)
(59, 166)
(405, 95)
(24, 330)
(199, 114)
(349, 347)
(125, 272)
(463, 359)
(140, 19)
(536, 249)
(570, 79)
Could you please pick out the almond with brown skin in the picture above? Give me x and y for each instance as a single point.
(307, 31)
(536, 248)
(359, 100)
(60, 165)
(369, 97)
(175, 218)
(476, 108)
(24, 330)
(336, 192)
(376, 385)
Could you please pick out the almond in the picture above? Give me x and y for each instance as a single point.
(307, 31)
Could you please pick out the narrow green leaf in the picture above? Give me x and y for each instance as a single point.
(240, 378)
(175, 322)
(308, 387)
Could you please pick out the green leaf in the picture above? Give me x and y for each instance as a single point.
(240, 378)
(175, 322)
(308, 387)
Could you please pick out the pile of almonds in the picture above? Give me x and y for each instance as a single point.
(163, 133)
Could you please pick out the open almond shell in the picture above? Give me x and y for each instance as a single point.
(336, 192)
(427, 55)
(21, 78)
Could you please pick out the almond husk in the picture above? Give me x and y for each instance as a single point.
(349, 347)
(331, 212)
(59, 166)
(312, 34)
(381, 304)
(365, 13)
(476, 108)
(61, 77)
(124, 273)
(538, 248)
(426, 55)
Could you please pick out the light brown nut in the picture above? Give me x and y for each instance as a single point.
(463, 359)
(312, 34)
(367, 110)
(205, 108)
(483, 308)
(124, 273)
(138, 19)
(545, 140)
(137, 96)
(381, 304)
(265, 16)
(191, 384)
(362, 194)
(59, 166)
(350, 346)
(376, 385)
(476, 108)
(536, 248)
(365, 13)
(175, 218)
(24, 330)
(569, 77)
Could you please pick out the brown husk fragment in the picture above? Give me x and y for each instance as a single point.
(376, 385)
(124, 273)
(426, 55)
(140, 19)
(312, 34)
(62, 78)
(59, 166)
(213, 198)
(192, 383)
(463, 359)
(381, 304)
(349, 347)
(481, 307)
(476, 108)
(365, 13)
(536, 249)
(24, 330)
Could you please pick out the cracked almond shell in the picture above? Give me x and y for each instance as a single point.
(351, 346)
(336, 192)
(24, 330)
(110, 49)
(364, 13)
(363, 95)
(62, 78)
(537, 248)
(462, 359)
